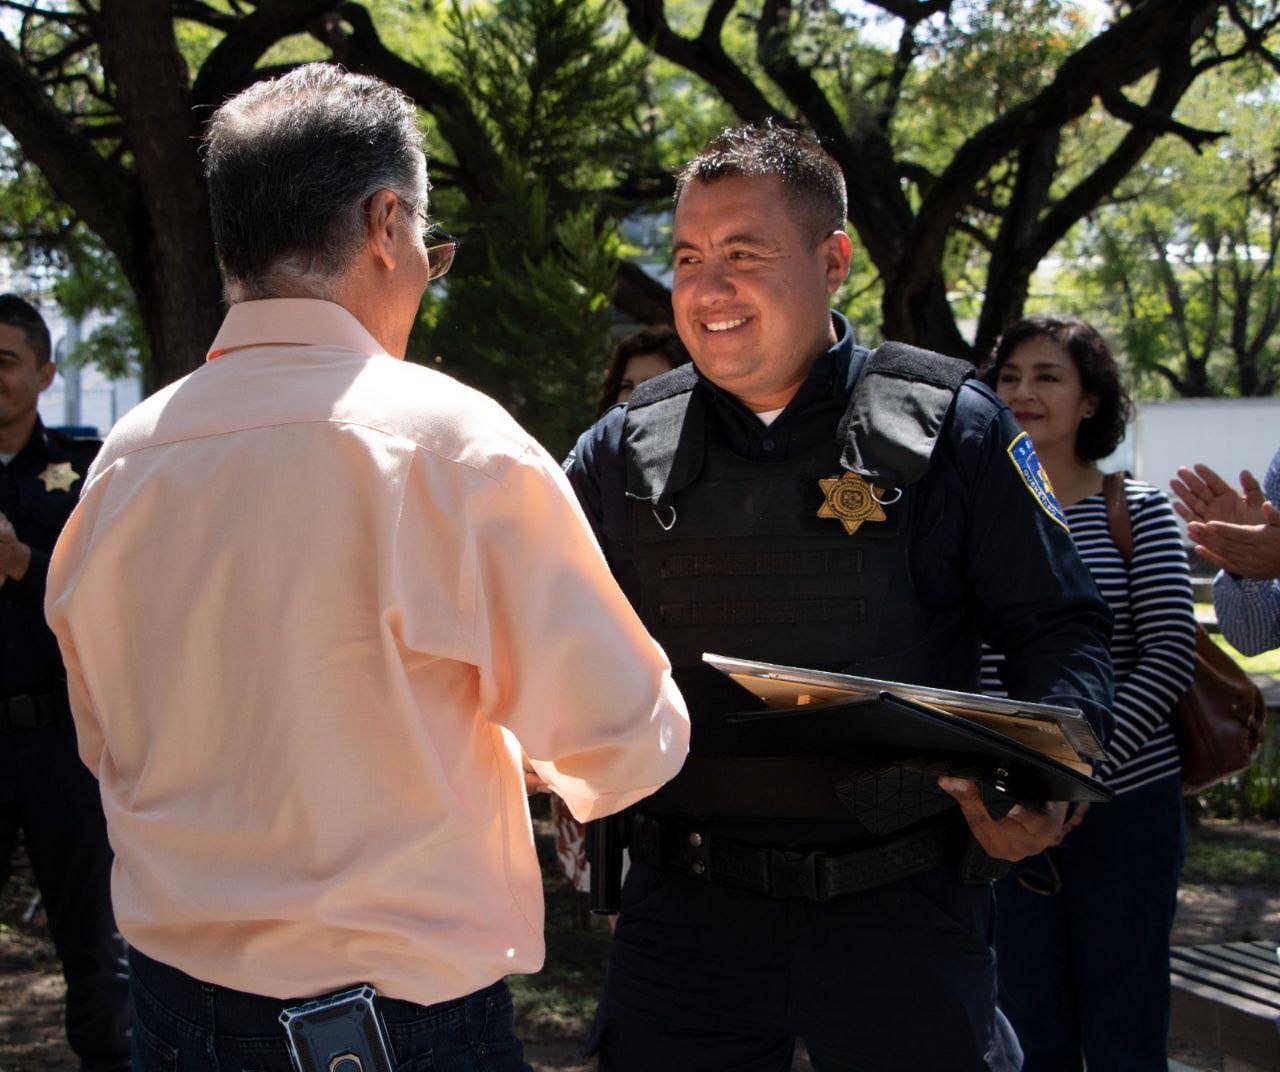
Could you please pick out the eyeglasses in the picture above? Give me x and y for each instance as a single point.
(441, 247)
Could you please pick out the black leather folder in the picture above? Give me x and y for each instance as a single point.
(883, 729)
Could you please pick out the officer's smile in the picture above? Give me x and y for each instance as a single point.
(725, 325)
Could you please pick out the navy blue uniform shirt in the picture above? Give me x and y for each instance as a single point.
(982, 540)
(37, 494)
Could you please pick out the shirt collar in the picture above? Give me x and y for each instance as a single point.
(37, 445)
(832, 373)
(295, 321)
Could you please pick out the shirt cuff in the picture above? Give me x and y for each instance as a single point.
(587, 808)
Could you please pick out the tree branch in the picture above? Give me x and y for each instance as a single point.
(1177, 382)
(1172, 292)
(703, 56)
(913, 11)
(713, 24)
(229, 68)
(1009, 270)
(362, 50)
(66, 18)
(902, 60)
(104, 196)
(878, 209)
(1159, 122)
(205, 15)
(1119, 55)
(1175, 77)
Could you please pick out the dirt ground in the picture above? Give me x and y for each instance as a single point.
(31, 987)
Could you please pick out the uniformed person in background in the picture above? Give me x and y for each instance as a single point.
(791, 498)
(45, 790)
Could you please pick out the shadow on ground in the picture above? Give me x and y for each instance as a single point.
(554, 1007)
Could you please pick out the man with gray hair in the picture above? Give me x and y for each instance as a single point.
(317, 605)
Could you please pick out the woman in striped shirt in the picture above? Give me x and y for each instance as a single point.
(1083, 930)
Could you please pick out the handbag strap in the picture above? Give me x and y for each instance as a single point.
(1118, 519)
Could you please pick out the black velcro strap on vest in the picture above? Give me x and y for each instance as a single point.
(672, 414)
(897, 411)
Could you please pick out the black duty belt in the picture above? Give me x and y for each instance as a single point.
(681, 845)
(34, 711)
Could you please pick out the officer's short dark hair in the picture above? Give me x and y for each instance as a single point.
(291, 164)
(661, 340)
(1100, 434)
(21, 314)
(810, 176)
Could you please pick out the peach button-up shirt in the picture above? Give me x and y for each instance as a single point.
(313, 604)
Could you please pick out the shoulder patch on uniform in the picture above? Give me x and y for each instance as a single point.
(1023, 455)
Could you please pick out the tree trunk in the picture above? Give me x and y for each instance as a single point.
(177, 280)
(927, 321)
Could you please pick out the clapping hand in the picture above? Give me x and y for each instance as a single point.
(1238, 531)
(1204, 496)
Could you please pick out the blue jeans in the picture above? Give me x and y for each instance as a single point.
(1084, 974)
(183, 1024)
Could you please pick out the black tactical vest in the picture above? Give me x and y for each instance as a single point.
(733, 558)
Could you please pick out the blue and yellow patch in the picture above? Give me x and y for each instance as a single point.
(1023, 455)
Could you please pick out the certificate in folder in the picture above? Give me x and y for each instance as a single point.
(1035, 752)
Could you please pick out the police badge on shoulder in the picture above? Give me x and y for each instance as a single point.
(1023, 455)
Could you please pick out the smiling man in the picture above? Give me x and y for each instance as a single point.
(792, 498)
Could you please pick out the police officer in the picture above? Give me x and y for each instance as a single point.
(44, 788)
(794, 499)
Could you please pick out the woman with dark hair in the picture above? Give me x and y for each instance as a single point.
(1082, 937)
(639, 357)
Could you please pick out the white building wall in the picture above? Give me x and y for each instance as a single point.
(1227, 434)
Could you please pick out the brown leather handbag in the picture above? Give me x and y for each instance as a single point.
(1221, 719)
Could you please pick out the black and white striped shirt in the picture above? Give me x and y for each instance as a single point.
(1154, 633)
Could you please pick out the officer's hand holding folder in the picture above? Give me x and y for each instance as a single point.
(888, 743)
(1020, 753)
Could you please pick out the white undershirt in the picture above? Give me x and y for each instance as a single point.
(5, 459)
(770, 415)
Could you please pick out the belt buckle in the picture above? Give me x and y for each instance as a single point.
(793, 874)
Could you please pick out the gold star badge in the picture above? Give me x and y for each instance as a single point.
(59, 476)
(850, 500)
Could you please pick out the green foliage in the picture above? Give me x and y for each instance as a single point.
(528, 307)
(977, 65)
(1220, 855)
(92, 282)
(1255, 794)
(556, 87)
(65, 259)
(526, 311)
(1182, 265)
